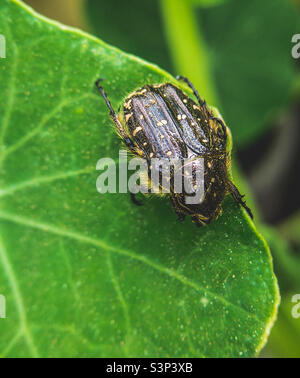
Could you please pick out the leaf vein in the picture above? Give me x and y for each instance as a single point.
(44, 179)
(45, 119)
(96, 242)
(120, 297)
(11, 94)
(18, 299)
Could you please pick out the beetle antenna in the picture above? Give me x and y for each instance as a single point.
(129, 143)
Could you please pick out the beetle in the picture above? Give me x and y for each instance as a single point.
(162, 121)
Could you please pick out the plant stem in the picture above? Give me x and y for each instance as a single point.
(187, 46)
(191, 58)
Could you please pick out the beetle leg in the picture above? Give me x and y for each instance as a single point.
(222, 124)
(233, 190)
(135, 201)
(198, 221)
(186, 80)
(113, 115)
(180, 214)
(181, 217)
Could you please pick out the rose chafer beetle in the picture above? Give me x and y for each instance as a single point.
(161, 121)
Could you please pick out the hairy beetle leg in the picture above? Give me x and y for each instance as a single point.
(129, 143)
(196, 93)
(181, 217)
(222, 125)
(198, 222)
(233, 190)
(135, 201)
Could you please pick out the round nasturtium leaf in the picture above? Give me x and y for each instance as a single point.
(90, 275)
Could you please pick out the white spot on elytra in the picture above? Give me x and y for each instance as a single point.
(137, 130)
(128, 116)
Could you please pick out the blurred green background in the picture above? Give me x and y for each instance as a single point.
(238, 54)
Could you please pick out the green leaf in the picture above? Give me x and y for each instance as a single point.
(140, 32)
(86, 274)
